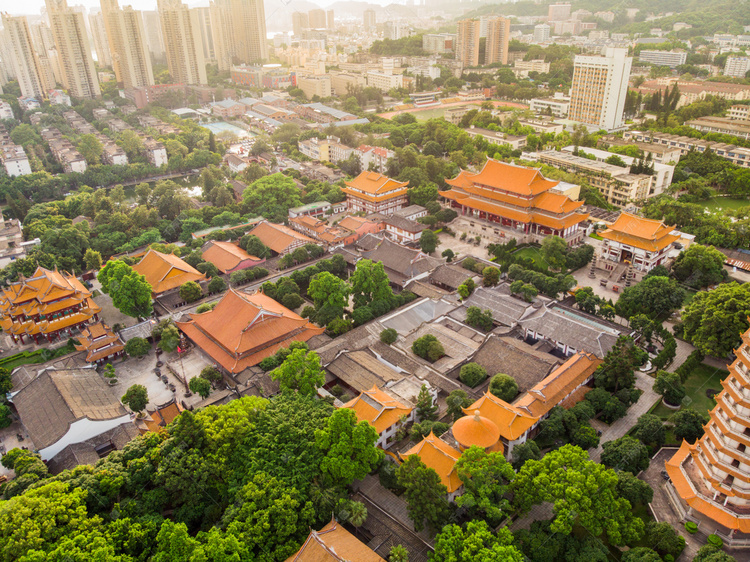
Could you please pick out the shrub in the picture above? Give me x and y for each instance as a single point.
(472, 374)
(338, 326)
(428, 347)
(205, 307)
(691, 527)
(715, 540)
(388, 336)
(269, 363)
(504, 387)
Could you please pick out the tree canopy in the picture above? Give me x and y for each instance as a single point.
(714, 320)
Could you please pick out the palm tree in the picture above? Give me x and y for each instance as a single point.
(357, 514)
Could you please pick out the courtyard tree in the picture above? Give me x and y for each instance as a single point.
(486, 477)
(426, 407)
(136, 397)
(633, 489)
(456, 401)
(478, 319)
(581, 491)
(650, 430)
(664, 539)
(370, 284)
(330, 295)
(200, 386)
(217, 285)
(92, 259)
(688, 424)
(300, 371)
(472, 374)
(137, 347)
(524, 452)
(90, 148)
(388, 336)
(714, 320)
(211, 374)
(428, 347)
(617, 369)
(190, 291)
(130, 292)
(253, 246)
(475, 542)
(700, 266)
(490, 276)
(669, 385)
(425, 494)
(504, 387)
(656, 297)
(625, 453)
(428, 241)
(170, 339)
(554, 251)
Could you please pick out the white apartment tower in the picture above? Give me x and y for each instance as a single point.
(99, 35)
(368, 19)
(23, 57)
(181, 42)
(600, 84)
(152, 30)
(541, 33)
(130, 57)
(77, 70)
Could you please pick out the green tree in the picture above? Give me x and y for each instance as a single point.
(426, 407)
(490, 276)
(398, 553)
(654, 296)
(388, 336)
(200, 386)
(190, 291)
(425, 494)
(300, 371)
(217, 285)
(650, 429)
(524, 452)
(664, 538)
(700, 266)
(130, 292)
(136, 397)
(170, 339)
(714, 320)
(504, 387)
(554, 251)
(329, 293)
(370, 284)
(688, 424)
(211, 374)
(90, 148)
(475, 542)
(472, 374)
(92, 259)
(137, 347)
(709, 553)
(428, 347)
(131, 143)
(272, 196)
(428, 241)
(349, 448)
(478, 319)
(581, 491)
(617, 369)
(633, 489)
(641, 554)
(669, 385)
(253, 246)
(625, 453)
(448, 254)
(456, 401)
(486, 477)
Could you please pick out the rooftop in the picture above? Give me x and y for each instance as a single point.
(166, 271)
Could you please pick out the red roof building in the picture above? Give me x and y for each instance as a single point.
(644, 243)
(165, 272)
(518, 198)
(243, 329)
(100, 343)
(228, 257)
(372, 192)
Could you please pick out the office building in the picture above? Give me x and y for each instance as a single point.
(130, 57)
(239, 32)
(23, 57)
(558, 12)
(299, 22)
(184, 55)
(498, 37)
(467, 44)
(152, 31)
(600, 84)
(316, 19)
(369, 20)
(330, 19)
(671, 59)
(99, 35)
(77, 71)
(541, 33)
(737, 66)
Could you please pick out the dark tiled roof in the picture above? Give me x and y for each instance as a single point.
(401, 263)
(362, 370)
(506, 310)
(450, 275)
(404, 224)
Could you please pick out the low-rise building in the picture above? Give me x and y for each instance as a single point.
(382, 411)
(100, 343)
(455, 114)
(315, 86)
(441, 457)
(59, 97)
(521, 68)
(438, 43)
(14, 160)
(333, 543)
(738, 155)
(228, 257)
(503, 139)
(280, 239)
(228, 109)
(113, 154)
(672, 59)
(166, 272)
(737, 66)
(327, 235)
(403, 230)
(658, 153)
(315, 148)
(6, 110)
(384, 81)
(322, 113)
(558, 105)
(372, 192)
(28, 103)
(721, 125)
(155, 152)
(317, 209)
(373, 157)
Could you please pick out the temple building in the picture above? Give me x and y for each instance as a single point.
(100, 343)
(372, 192)
(518, 198)
(228, 257)
(243, 329)
(642, 243)
(333, 543)
(475, 430)
(165, 272)
(386, 414)
(712, 476)
(440, 457)
(47, 305)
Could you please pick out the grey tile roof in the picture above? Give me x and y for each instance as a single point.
(450, 275)
(506, 310)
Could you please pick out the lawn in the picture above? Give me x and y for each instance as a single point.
(532, 253)
(719, 204)
(701, 379)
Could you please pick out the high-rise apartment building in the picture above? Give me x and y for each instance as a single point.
(131, 60)
(369, 21)
(498, 37)
(467, 44)
(317, 19)
(600, 84)
(181, 43)
(152, 31)
(239, 32)
(202, 22)
(99, 36)
(23, 57)
(329, 19)
(77, 71)
(299, 22)
(541, 33)
(44, 44)
(558, 12)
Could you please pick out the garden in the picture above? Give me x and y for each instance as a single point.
(701, 384)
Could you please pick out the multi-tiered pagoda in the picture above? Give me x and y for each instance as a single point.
(713, 476)
(45, 306)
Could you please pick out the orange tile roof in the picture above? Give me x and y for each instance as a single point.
(99, 341)
(375, 183)
(378, 408)
(243, 329)
(646, 234)
(278, 237)
(227, 256)
(475, 430)
(512, 422)
(333, 543)
(353, 223)
(439, 456)
(166, 271)
(507, 177)
(375, 198)
(558, 384)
